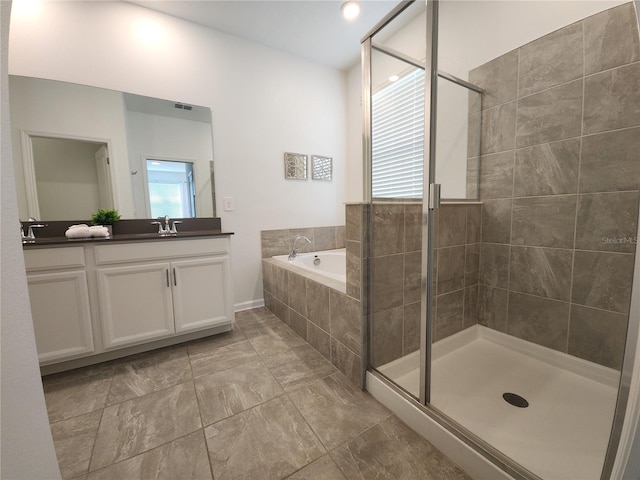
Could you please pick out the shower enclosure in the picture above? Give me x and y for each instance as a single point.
(502, 165)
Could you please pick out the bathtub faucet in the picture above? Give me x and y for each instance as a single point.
(294, 252)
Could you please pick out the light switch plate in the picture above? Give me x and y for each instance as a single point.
(227, 203)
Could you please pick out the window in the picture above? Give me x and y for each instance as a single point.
(171, 189)
(398, 138)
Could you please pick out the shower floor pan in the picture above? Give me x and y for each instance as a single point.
(562, 433)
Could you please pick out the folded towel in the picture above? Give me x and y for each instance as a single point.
(98, 231)
(77, 232)
(81, 225)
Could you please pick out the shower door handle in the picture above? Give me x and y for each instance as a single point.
(434, 196)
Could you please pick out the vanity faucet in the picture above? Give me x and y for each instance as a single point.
(31, 237)
(294, 252)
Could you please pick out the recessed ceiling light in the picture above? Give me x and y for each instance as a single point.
(350, 9)
(394, 78)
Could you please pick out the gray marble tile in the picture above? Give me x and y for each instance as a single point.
(473, 223)
(348, 363)
(76, 397)
(545, 272)
(184, 458)
(275, 339)
(388, 229)
(602, 280)
(282, 311)
(148, 373)
(267, 276)
(235, 390)
(269, 301)
(472, 174)
(450, 268)
(611, 39)
(274, 242)
(345, 320)
(412, 228)
(386, 336)
(539, 320)
(451, 229)
(73, 439)
(387, 282)
(302, 246)
(607, 221)
(297, 366)
(341, 236)
(298, 324)
(251, 316)
(104, 369)
(280, 284)
(597, 336)
(391, 450)
(138, 425)
(209, 344)
(544, 221)
(498, 129)
(551, 60)
(496, 221)
(269, 441)
(498, 78)
(471, 264)
(221, 358)
(321, 469)
(612, 99)
(610, 161)
(320, 340)
(471, 306)
(318, 304)
(411, 331)
(354, 217)
(297, 293)
(494, 265)
(547, 169)
(412, 277)
(550, 115)
(492, 308)
(449, 314)
(324, 238)
(336, 411)
(354, 268)
(496, 175)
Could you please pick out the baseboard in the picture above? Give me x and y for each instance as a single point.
(238, 307)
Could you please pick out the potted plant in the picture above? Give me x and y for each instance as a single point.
(106, 218)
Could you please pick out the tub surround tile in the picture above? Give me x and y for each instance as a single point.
(492, 307)
(498, 129)
(274, 242)
(388, 282)
(138, 425)
(611, 39)
(496, 220)
(297, 366)
(603, 280)
(386, 334)
(354, 268)
(244, 446)
(345, 320)
(318, 304)
(550, 115)
(472, 173)
(471, 264)
(620, 152)
(411, 333)
(412, 277)
(302, 246)
(348, 363)
(73, 440)
(335, 410)
(450, 269)
(324, 238)
(597, 336)
(354, 222)
(298, 324)
(282, 312)
(471, 306)
(320, 340)
(221, 358)
(494, 265)
(280, 283)
(473, 223)
(539, 320)
(76, 397)
(388, 229)
(544, 221)
(412, 228)
(551, 60)
(496, 175)
(340, 236)
(498, 78)
(186, 457)
(449, 314)
(322, 469)
(297, 292)
(267, 277)
(607, 221)
(223, 394)
(545, 272)
(451, 225)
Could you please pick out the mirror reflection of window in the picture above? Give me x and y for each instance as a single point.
(171, 188)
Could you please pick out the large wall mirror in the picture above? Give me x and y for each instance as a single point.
(79, 148)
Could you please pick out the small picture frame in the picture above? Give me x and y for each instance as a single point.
(295, 166)
(321, 168)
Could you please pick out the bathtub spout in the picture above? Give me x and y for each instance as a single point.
(294, 252)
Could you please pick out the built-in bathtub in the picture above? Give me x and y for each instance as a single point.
(328, 267)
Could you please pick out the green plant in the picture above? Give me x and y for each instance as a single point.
(105, 217)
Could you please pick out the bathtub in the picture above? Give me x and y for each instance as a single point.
(328, 267)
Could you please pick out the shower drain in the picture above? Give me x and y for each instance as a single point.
(515, 400)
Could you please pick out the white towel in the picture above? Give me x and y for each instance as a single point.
(81, 225)
(77, 231)
(98, 231)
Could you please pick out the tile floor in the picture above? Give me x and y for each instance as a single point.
(255, 403)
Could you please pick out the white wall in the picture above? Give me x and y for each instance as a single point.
(263, 103)
(25, 439)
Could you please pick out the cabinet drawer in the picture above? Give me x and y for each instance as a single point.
(160, 250)
(53, 258)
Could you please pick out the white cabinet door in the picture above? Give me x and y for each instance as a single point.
(135, 304)
(61, 315)
(201, 296)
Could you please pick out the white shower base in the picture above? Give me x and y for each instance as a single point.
(564, 432)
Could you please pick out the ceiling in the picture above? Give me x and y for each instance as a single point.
(312, 29)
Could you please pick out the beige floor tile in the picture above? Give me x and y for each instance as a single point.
(267, 442)
(209, 344)
(272, 336)
(218, 359)
(250, 316)
(298, 365)
(140, 424)
(73, 439)
(148, 373)
(322, 469)
(392, 450)
(77, 397)
(235, 390)
(335, 410)
(185, 458)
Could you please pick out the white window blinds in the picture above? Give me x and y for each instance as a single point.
(398, 138)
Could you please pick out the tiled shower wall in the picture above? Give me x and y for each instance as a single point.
(559, 182)
(396, 275)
